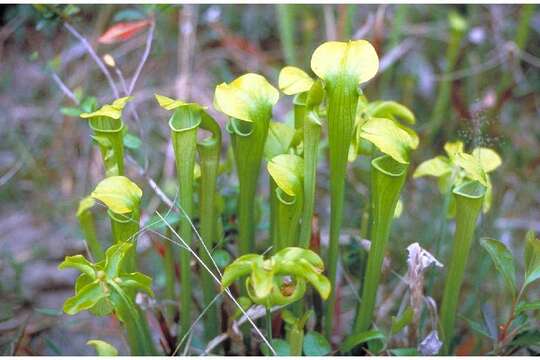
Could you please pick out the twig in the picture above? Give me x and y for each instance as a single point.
(11, 172)
(149, 40)
(64, 88)
(94, 56)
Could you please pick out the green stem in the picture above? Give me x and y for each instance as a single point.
(125, 228)
(312, 135)
(274, 226)
(440, 110)
(289, 211)
(183, 124)
(469, 198)
(109, 134)
(209, 158)
(342, 101)
(269, 323)
(86, 219)
(248, 139)
(285, 17)
(170, 276)
(387, 179)
(138, 332)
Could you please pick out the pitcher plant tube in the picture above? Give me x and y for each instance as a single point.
(287, 171)
(122, 198)
(88, 227)
(342, 66)
(278, 142)
(183, 123)
(108, 132)
(469, 197)
(387, 179)
(106, 287)
(248, 101)
(308, 96)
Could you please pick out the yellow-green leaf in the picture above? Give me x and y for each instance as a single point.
(391, 109)
(279, 139)
(85, 204)
(472, 167)
(453, 148)
(287, 171)
(103, 348)
(118, 193)
(488, 158)
(388, 138)
(353, 58)
(113, 110)
(438, 166)
(245, 96)
(168, 103)
(293, 80)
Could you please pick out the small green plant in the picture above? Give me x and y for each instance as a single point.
(106, 287)
(279, 280)
(516, 330)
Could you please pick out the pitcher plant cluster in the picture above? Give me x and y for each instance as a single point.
(284, 275)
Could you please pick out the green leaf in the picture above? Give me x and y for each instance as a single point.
(524, 306)
(128, 15)
(399, 323)
(222, 258)
(137, 281)
(472, 167)
(48, 312)
(132, 141)
(103, 348)
(80, 263)
(316, 345)
(240, 267)
(477, 327)
(527, 338)
(489, 160)
(532, 258)
(503, 260)
(168, 103)
(279, 139)
(113, 110)
(114, 256)
(119, 194)
(404, 352)
(280, 346)
(438, 166)
(390, 109)
(71, 111)
(89, 296)
(362, 337)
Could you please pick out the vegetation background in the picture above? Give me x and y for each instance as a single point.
(483, 89)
